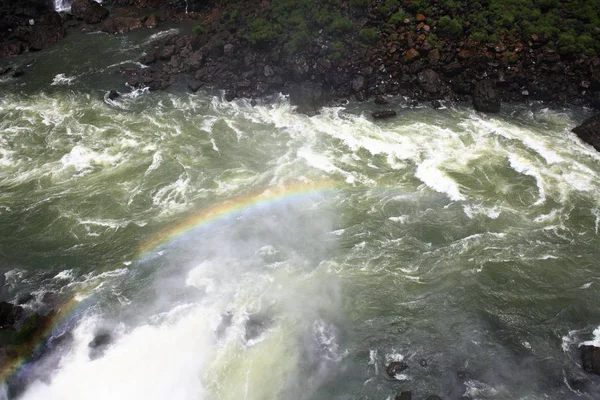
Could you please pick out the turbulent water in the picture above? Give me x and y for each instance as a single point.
(465, 245)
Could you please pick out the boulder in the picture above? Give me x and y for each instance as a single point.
(429, 81)
(113, 94)
(17, 72)
(358, 83)
(99, 344)
(404, 396)
(590, 359)
(309, 97)
(433, 397)
(89, 10)
(194, 84)
(120, 25)
(485, 98)
(151, 21)
(380, 100)
(589, 131)
(396, 367)
(384, 114)
(47, 32)
(9, 314)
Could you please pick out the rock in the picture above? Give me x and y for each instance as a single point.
(151, 21)
(228, 49)
(99, 344)
(485, 98)
(464, 375)
(420, 18)
(268, 71)
(382, 115)
(11, 48)
(194, 84)
(120, 25)
(25, 298)
(9, 314)
(4, 71)
(380, 100)
(411, 54)
(17, 72)
(358, 83)
(167, 52)
(404, 396)
(229, 95)
(89, 11)
(47, 32)
(113, 94)
(395, 367)
(589, 131)
(435, 104)
(590, 358)
(309, 97)
(433, 397)
(453, 69)
(429, 81)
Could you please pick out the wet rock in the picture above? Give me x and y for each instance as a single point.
(464, 375)
(384, 114)
(255, 326)
(411, 54)
(11, 48)
(433, 397)
(120, 25)
(590, 359)
(380, 100)
(151, 21)
(89, 11)
(435, 104)
(396, 367)
(404, 396)
(429, 81)
(99, 344)
(229, 95)
(9, 314)
(4, 71)
(589, 131)
(358, 83)
(17, 72)
(194, 85)
(485, 97)
(113, 94)
(25, 298)
(309, 97)
(49, 31)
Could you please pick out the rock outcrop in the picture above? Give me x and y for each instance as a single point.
(589, 131)
(89, 11)
(485, 97)
(590, 359)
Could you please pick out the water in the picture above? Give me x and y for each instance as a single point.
(448, 239)
(63, 5)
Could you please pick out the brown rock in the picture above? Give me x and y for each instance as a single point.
(89, 11)
(120, 25)
(151, 21)
(411, 54)
(420, 18)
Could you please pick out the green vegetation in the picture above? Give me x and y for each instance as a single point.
(450, 28)
(198, 30)
(368, 35)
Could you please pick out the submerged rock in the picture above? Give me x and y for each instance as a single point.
(99, 344)
(89, 11)
(485, 97)
(113, 94)
(590, 358)
(308, 96)
(404, 396)
(384, 114)
(120, 25)
(396, 367)
(9, 314)
(589, 131)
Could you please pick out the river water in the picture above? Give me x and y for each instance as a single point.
(237, 251)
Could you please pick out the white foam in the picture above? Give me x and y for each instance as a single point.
(595, 341)
(62, 79)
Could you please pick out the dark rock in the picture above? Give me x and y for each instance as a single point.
(229, 95)
(358, 83)
(51, 299)
(113, 94)
(89, 11)
(309, 97)
(194, 84)
(435, 104)
(404, 396)
(47, 32)
(433, 397)
(9, 314)
(4, 71)
(25, 298)
(11, 48)
(167, 52)
(453, 69)
(120, 25)
(589, 131)
(464, 375)
(485, 97)
(380, 100)
(99, 344)
(384, 114)
(18, 72)
(429, 80)
(255, 326)
(151, 21)
(396, 367)
(590, 358)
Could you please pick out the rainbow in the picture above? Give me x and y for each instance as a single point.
(203, 219)
(234, 207)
